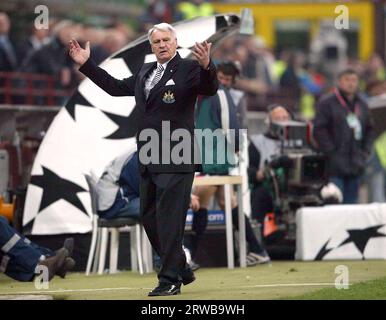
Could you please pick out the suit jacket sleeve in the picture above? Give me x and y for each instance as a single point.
(205, 81)
(108, 83)
(208, 84)
(322, 122)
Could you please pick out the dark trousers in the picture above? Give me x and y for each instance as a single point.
(164, 201)
(349, 186)
(18, 255)
(200, 222)
(261, 203)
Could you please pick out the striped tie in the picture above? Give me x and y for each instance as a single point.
(156, 78)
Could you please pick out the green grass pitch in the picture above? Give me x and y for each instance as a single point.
(280, 280)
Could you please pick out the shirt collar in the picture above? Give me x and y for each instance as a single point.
(352, 103)
(164, 65)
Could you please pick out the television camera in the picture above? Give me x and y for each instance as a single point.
(297, 173)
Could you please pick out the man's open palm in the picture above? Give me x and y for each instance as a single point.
(77, 53)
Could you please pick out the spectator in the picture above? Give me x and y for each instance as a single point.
(53, 60)
(290, 80)
(113, 40)
(159, 11)
(374, 69)
(8, 57)
(343, 130)
(376, 170)
(260, 64)
(254, 87)
(37, 39)
(281, 64)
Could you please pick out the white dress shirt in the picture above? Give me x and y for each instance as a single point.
(152, 75)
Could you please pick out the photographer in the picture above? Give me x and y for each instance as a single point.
(262, 149)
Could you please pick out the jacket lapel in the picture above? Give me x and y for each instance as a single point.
(170, 70)
(144, 73)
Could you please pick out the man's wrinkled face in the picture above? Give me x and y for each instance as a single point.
(224, 79)
(349, 83)
(163, 45)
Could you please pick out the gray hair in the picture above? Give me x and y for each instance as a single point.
(163, 27)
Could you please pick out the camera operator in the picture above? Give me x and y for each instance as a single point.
(262, 149)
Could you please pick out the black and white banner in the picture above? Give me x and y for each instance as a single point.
(341, 232)
(92, 129)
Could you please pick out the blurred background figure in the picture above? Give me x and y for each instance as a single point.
(8, 53)
(195, 8)
(112, 41)
(37, 39)
(374, 69)
(52, 59)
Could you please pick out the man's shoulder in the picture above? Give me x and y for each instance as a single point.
(189, 63)
(330, 96)
(326, 100)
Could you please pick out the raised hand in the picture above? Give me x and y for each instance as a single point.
(77, 53)
(202, 53)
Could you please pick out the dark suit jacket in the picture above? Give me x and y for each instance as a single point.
(173, 103)
(346, 156)
(5, 62)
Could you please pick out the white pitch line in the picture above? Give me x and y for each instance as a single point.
(128, 288)
(77, 290)
(290, 285)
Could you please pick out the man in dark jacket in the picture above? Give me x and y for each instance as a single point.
(343, 130)
(165, 93)
(8, 58)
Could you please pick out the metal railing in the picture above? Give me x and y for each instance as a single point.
(18, 88)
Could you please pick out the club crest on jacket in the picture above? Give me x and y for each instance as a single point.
(168, 97)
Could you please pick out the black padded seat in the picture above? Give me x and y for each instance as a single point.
(116, 223)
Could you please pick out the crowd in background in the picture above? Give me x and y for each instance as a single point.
(266, 75)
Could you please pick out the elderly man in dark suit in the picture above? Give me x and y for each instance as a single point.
(165, 93)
